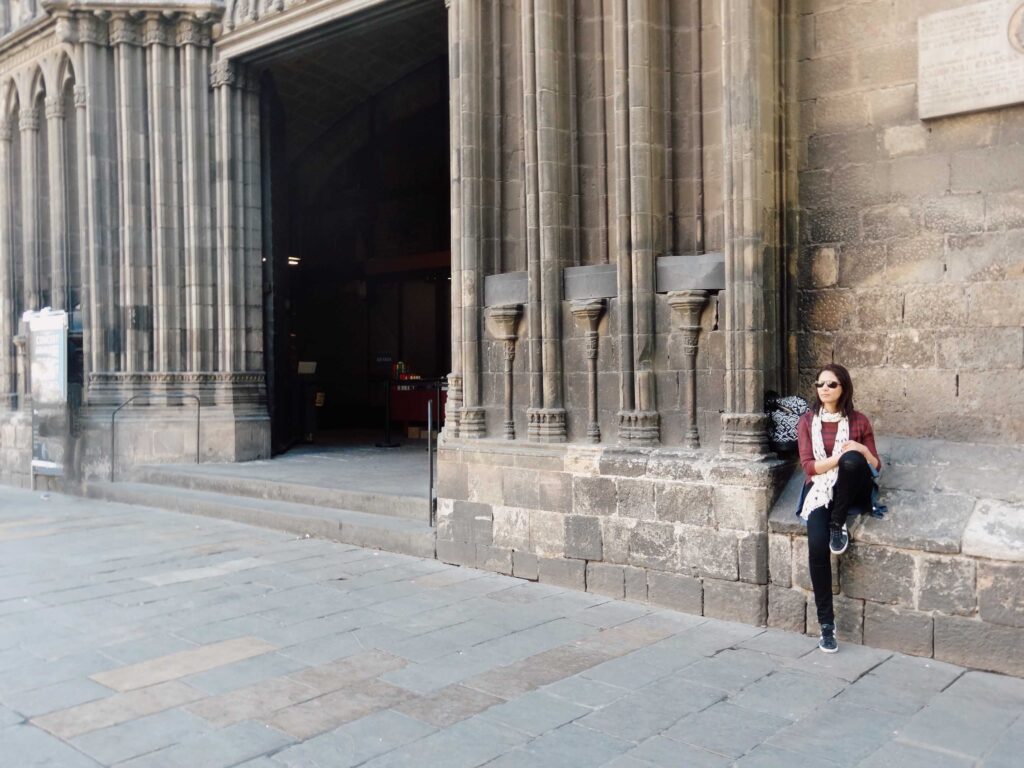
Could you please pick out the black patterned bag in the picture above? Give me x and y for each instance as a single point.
(783, 415)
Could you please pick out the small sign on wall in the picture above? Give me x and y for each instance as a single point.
(970, 58)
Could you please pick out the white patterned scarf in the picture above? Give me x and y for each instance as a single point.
(820, 492)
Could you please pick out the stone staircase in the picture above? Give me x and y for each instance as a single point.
(388, 521)
(939, 576)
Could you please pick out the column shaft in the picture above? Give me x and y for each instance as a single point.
(230, 287)
(7, 299)
(471, 44)
(136, 226)
(749, 83)
(165, 192)
(454, 402)
(253, 251)
(28, 122)
(87, 296)
(58, 202)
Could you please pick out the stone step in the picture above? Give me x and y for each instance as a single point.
(389, 504)
(394, 534)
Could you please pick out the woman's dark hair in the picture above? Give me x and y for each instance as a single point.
(845, 404)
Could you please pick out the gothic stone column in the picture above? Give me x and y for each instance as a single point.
(58, 196)
(750, 88)
(688, 306)
(7, 299)
(28, 122)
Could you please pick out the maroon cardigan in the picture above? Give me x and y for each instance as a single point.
(860, 430)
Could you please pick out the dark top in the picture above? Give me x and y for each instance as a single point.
(860, 431)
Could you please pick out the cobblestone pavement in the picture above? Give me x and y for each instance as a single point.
(139, 638)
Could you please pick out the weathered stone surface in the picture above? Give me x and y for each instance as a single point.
(946, 584)
(593, 495)
(456, 552)
(511, 527)
(496, 559)
(996, 531)
(1001, 593)
(623, 463)
(933, 522)
(753, 557)
(583, 537)
(635, 498)
(878, 573)
(636, 583)
(524, 565)
(547, 533)
(520, 488)
(979, 644)
(899, 629)
(787, 609)
(681, 593)
(452, 480)
(653, 545)
(669, 466)
(604, 579)
(484, 483)
(562, 572)
(685, 503)
(780, 560)
(615, 533)
(736, 601)
(707, 552)
(472, 522)
(742, 509)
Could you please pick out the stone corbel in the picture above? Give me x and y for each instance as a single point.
(505, 320)
(687, 307)
(587, 314)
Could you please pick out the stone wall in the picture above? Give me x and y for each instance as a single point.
(683, 530)
(911, 265)
(15, 448)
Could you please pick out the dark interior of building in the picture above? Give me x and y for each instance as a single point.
(356, 180)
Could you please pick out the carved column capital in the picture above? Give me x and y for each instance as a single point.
(80, 93)
(125, 30)
(92, 29)
(28, 120)
(6, 132)
(192, 31)
(157, 31)
(687, 307)
(54, 108)
(587, 313)
(223, 72)
(505, 319)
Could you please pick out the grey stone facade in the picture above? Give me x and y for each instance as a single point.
(660, 211)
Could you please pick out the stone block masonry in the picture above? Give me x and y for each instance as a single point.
(681, 529)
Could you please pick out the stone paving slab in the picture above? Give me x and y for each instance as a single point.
(136, 638)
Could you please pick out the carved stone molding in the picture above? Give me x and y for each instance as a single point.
(157, 31)
(54, 108)
(639, 427)
(80, 93)
(91, 29)
(546, 425)
(453, 404)
(28, 120)
(212, 387)
(224, 72)
(472, 423)
(745, 434)
(587, 314)
(125, 30)
(687, 307)
(6, 132)
(505, 319)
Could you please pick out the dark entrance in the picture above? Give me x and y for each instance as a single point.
(357, 228)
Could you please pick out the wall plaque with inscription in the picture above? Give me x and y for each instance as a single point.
(970, 58)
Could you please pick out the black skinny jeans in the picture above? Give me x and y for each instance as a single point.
(852, 489)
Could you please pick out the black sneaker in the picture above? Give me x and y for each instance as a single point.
(839, 540)
(827, 642)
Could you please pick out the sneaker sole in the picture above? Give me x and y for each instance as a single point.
(839, 551)
(828, 650)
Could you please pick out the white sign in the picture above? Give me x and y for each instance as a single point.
(970, 58)
(48, 356)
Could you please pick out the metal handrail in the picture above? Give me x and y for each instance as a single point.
(130, 400)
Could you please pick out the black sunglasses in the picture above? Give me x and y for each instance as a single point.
(829, 384)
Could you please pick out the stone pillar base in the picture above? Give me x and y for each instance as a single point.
(472, 423)
(745, 434)
(639, 427)
(546, 425)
